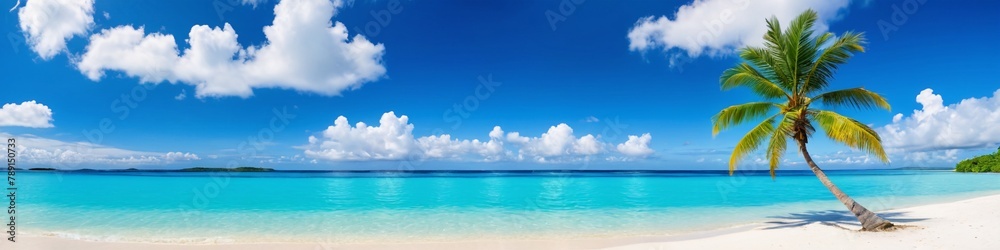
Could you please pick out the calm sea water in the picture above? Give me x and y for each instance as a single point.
(364, 207)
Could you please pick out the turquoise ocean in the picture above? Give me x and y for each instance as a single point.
(362, 207)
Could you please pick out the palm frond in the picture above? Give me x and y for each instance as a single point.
(739, 114)
(768, 65)
(859, 98)
(850, 132)
(773, 35)
(798, 48)
(747, 76)
(821, 71)
(751, 141)
(773, 53)
(779, 141)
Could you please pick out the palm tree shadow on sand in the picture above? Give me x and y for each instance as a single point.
(835, 218)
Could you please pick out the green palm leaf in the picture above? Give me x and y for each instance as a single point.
(817, 78)
(798, 47)
(859, 98)
(850, 132)
(779, 141)
(739, 114)
(768, 65)
(751, 141)
(746, 76)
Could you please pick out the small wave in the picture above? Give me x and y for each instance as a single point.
(117, 238)
(342, 239)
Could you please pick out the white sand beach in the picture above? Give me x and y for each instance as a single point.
(966, 224)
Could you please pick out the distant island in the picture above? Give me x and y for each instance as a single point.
(41, 169)
(982, 163)
(239, 169)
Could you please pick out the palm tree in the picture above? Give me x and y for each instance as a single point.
(793, 66)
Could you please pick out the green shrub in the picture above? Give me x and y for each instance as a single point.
(982, 163)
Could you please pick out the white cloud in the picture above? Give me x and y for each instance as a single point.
(446, 148)
(970, 123)
(591, 119)
(49, 152)
(852, 157)
(181, 96)
(718, 27)
(304, 51)
(393, 139)
(253, 2)
(150, 58)
(556, 144)
(180, 156)
(636, 146)
(949, 155)
(18, 3)
(48, 24)
(27, 114)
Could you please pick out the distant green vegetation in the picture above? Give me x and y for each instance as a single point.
(239, 169)
(982, 163)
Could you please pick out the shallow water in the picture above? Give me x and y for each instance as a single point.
(430, 206)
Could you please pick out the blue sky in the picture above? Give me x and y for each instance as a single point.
(432, 61)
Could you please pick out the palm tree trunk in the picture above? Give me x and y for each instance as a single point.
(869, 220)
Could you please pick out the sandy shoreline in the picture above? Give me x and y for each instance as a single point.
(966, 224)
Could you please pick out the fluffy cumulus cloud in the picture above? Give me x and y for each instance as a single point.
(636, 146)
(717, 27)
(393, 139)
(38, 151)
(27, 114)
(970, 123)
(304, 51)
(556, 144)
(150, 58)
(444, 147)
(48, 24)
